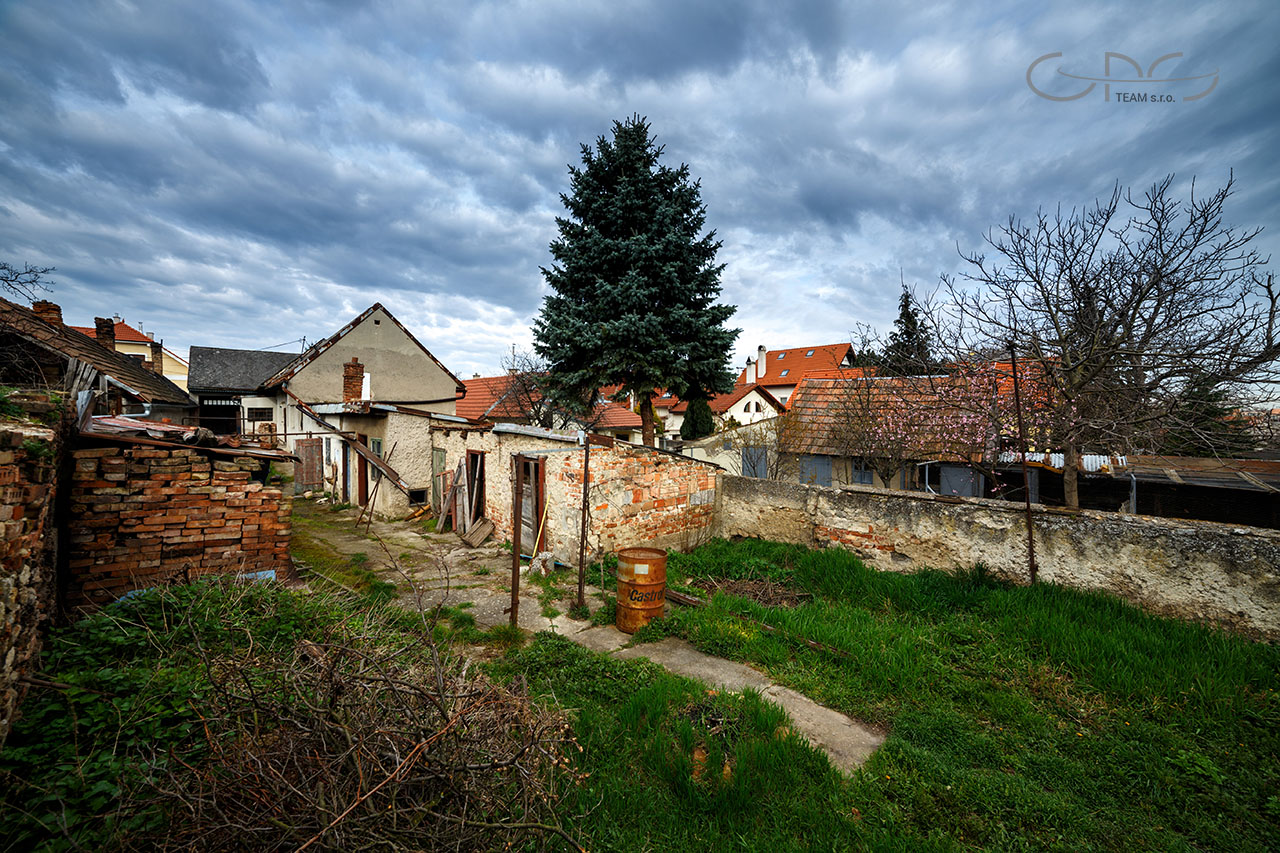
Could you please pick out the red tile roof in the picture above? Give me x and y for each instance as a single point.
(722, 403)
(852, 411)
(487, 397)
(797, 361)
(124, 332)
(482, 392)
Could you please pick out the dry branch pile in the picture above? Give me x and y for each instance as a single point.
(343, 749)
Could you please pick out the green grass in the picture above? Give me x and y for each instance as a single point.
(656, 748)
(1019, 718)
(336, 571)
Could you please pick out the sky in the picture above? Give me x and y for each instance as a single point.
(246, 174)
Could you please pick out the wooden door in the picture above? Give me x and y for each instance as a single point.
(307, 474)
(437, 469)
(475, 486)
(533, 533)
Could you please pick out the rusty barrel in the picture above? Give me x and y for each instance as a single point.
(642, 587)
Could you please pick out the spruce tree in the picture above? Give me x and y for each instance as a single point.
(909, 351)
(634, 281)
(698, 420)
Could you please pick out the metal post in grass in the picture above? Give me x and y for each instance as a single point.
(582, 539)
(517, 522)
(1026, 479)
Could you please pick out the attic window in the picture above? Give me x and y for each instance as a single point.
(666, 395)
(746, 407)
(782, 355)
(784, 373)
(377, 322)
(809, 354)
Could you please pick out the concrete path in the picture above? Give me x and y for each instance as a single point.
(847, 743)
(441, 569)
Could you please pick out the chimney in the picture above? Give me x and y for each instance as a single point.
(761, 367)
(352, 380)
(105, 332)
(50, 312)
(157, 357)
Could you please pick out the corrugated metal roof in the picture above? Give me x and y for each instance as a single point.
(1093, 463)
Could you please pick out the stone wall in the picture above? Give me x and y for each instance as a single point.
(27, 469)
(1196, 570)
(140, 516)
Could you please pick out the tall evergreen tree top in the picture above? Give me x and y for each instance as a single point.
(634, 279)
(909, 350)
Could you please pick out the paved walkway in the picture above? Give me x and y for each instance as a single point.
(847, 742)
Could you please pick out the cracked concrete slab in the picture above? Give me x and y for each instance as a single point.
(847, 742)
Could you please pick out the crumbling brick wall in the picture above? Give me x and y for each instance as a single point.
(636, 497)
(27, 466)
(141, 516)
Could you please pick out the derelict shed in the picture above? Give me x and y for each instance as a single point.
(636, 495)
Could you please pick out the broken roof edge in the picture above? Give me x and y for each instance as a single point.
(317, 349)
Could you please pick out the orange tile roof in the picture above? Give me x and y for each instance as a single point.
(482, 392)
(848, 412)
(487, 397)
(797, 362)
(124, 332)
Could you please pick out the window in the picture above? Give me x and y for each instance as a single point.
(785, 372)
(746, 407)
(259, 413)
(666, 395)
(375, 446)
(758, 407)
(417, 496)
(809, 354)
(782, 355)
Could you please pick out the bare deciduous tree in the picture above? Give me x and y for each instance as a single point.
(526, 397)
(1121, 306)
(25, 282)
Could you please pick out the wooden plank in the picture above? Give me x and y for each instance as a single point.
(479, 532)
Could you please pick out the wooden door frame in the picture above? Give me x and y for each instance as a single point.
(538, 482)
(362, 473)
(475, 483)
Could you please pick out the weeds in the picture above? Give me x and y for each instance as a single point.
(215, 716)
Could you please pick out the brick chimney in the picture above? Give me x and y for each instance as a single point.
(157, 357)
(50, 312)
(105, 331)
(352, 380)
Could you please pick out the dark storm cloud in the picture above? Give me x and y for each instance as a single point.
(226, 171)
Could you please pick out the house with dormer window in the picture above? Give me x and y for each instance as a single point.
(779, 371)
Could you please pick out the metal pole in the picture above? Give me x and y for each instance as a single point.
(517, 523)
(1026, 480)
(582, 540)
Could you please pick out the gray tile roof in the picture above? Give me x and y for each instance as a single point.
(234, 370)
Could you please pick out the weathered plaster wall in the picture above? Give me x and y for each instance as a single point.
(140, 516)
(1189, 569)
(27, 471)
(399, 371)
